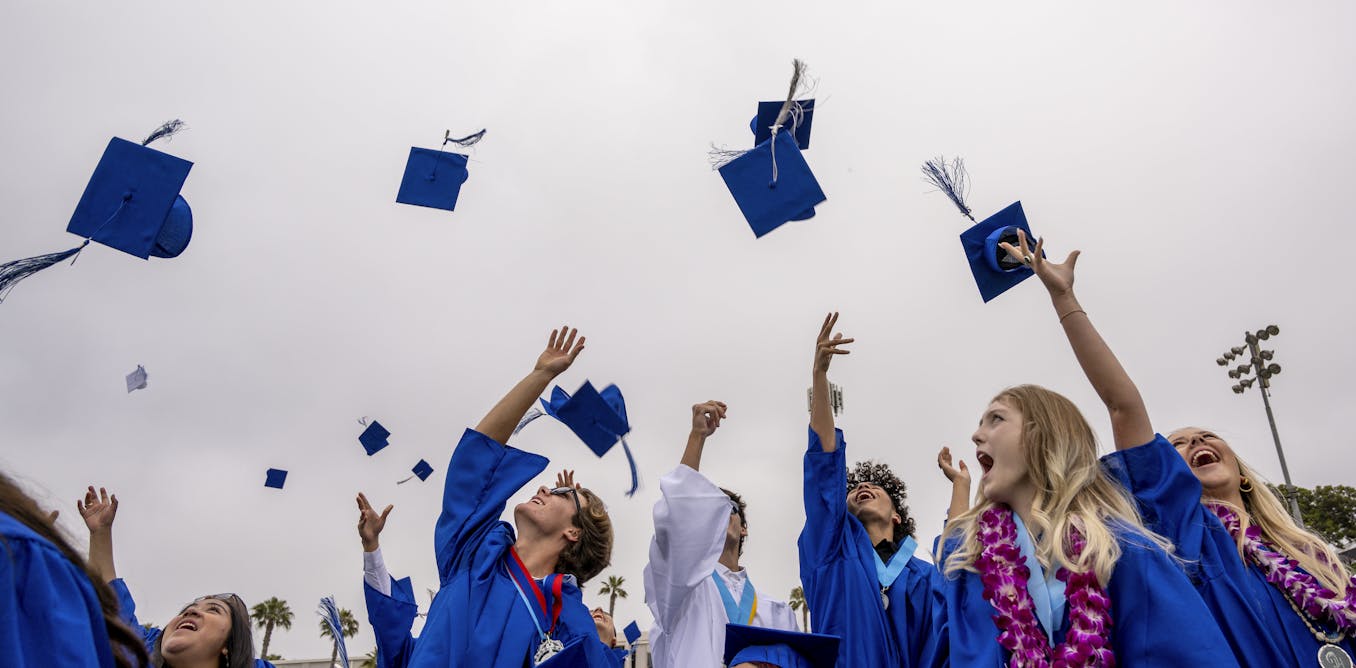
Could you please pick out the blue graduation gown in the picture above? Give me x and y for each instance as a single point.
(391, 618)
(477, 619)
(838, 571)
(1257, 619)
(1156, 618)
(49, 613)
(127, 611)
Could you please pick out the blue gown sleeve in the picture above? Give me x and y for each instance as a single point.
(49, 612)
(1166, 491)
(481, 477)
(391, 618)
(127, 611)
(825, 501)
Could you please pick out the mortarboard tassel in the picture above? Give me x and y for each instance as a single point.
(631, 461)
(527, 419)
(13, 272)
(791, 111)
(166, 130)
(467, 141)
(951, 180)
(329, 611)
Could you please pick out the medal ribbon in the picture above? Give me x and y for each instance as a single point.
(887, 574)
(556, 582)
(748, 601)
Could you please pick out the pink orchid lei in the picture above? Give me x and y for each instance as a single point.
(1284, 573)
(1004, 575)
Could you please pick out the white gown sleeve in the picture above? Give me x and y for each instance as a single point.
(690, 520)
(374, 572)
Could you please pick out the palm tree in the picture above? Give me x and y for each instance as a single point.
(270, 613)
(798, 603)
(613, 590)
(369, 660)
(348, 627)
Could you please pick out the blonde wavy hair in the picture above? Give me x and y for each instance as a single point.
(1071, 490)
(1269, 513)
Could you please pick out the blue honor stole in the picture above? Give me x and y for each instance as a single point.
(886, 574)
(742, 612)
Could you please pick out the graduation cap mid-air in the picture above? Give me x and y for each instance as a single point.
(632, 633)
(994, 269)
(433, 178)
(772, 183)
(798, 120)
(275, 478)
(422, 470)
(597, 418)
(784, 649)
(137, 379)
(132, 203)
(374, 438)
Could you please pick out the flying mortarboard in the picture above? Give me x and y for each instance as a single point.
(632, 632)
(132, 203)
(275, 478)
(433, 178)
(137, 379)
(374, 438)
(597, 418)
(994, 269)
(784, 649)
(772, 184)
(422, 470)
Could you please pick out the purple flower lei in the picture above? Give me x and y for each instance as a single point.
(1004, 575)
(1284, 573)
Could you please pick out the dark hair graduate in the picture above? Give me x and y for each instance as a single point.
(128, 650)
(239, 642)
(881, 476)
(739, 508)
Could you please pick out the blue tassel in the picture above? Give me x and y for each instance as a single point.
(631, 461)
(13, 272)
(527, 419)
(329, 612)
(950, 179)
(467, 141)
(167, 129)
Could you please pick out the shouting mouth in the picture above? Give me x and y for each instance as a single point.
(1204, 457)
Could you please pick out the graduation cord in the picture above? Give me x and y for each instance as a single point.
(556, 585)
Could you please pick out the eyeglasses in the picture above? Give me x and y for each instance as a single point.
(562, 491)
(228, 598)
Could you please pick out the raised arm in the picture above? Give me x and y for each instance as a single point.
(959, 476)
(821, 410)
(1130, 424)
(560, 352)
(706, 419)
(99, 510)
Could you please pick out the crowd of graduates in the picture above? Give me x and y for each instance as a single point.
(1167, 552)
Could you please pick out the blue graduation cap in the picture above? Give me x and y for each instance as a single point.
(632, 633)
(994, 269)
(131, 203)
(433, 178)
(784, 649)
(798, 123)
(422, 470)
(275, 478)
(374, 438)
(772, 184)
(597, 418)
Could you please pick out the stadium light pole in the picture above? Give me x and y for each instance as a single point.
(1263, 369)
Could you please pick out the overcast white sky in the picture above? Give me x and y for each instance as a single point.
(1198, 153)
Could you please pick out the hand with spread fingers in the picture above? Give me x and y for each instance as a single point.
(1057, 277)
(827, 346)
(954, 473)
(561, 349)
(566, 479)
(98, 509)
(706, 417)
(370, 523)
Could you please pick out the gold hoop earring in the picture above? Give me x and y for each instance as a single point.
(1244, 485)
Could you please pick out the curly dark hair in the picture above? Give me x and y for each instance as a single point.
(589, 555)
(880, 475)
(739, 509)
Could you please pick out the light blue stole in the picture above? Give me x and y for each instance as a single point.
(1046, 589)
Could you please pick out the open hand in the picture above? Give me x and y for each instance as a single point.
(1058, 278)
(706, 417)
(566, 479)
(370, 523)
(958, 473)
(98, 509)
(561, 349)
(826, 347)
